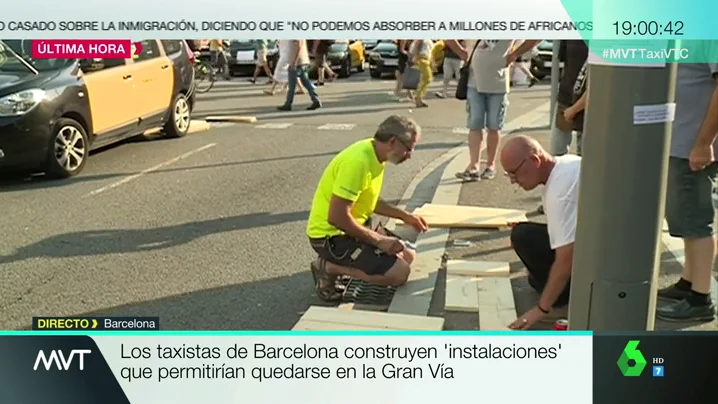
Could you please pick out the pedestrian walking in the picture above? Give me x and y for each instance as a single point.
(218, 57)
(421, 58)
(298, 71)
(320, 50)
(452, 68)
(262, 65)
(281, 70)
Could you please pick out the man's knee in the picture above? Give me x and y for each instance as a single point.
(398, 274)
(408, 255)
(521, 235)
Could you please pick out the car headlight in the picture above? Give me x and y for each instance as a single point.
(21, 102)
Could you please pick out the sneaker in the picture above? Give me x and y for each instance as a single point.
(684, 311)
(467, 175)
(440, 94)
(673, 293)
(533, 82)
(285, 107)
(540, 210)
(488, 174)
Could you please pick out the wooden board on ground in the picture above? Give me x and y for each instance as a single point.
(497, 308)
(477, 268)
(231, 118)
(458, 216)
(462, 294)
(328, 318)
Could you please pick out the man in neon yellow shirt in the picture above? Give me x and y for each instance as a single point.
(347, 195)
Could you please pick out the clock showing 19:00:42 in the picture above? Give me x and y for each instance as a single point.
(649, 28)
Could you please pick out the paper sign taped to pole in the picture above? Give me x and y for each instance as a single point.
(658, 113)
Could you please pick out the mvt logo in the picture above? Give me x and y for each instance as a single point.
(61, 361)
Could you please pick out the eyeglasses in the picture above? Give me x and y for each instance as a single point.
(513, 172)
(406, 145)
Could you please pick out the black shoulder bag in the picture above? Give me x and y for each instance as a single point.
(462, 87)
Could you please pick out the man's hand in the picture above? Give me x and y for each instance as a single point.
(569, 113)
(529, 318)
(701, 157)
(417, 222)
(390, 245)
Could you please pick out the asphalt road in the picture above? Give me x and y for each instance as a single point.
(206, 232)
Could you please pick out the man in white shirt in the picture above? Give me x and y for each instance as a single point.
(298, 70)
(545, 249)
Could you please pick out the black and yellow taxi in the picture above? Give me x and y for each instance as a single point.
(53, 112)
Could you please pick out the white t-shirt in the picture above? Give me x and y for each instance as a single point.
(560, 200)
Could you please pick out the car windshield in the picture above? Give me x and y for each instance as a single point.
(23, 48)
(385, 46)
(545, 46)
(338, 47)
(242, 45)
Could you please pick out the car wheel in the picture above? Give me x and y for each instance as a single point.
(375, 74)
(68, 150)
(180, 117)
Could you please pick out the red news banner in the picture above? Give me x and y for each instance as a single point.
(85, 48)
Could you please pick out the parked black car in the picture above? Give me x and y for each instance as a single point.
(383, 59)
(542, 60)
(242, 56)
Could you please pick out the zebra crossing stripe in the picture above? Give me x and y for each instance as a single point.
(460, 131)
(337, 126)
(274, 125)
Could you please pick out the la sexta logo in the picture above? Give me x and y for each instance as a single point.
(60, 360)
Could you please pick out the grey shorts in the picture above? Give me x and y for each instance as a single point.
(689, 200)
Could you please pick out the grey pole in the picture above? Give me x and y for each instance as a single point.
(554, 79)
(621, 200)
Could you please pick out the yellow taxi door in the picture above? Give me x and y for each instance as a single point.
(111, 93)
(355, 49)
(156, 79)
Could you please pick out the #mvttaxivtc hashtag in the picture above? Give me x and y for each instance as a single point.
(606, 53)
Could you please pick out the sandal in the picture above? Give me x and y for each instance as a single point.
(328, 292)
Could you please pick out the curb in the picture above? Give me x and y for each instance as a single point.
(232, 118)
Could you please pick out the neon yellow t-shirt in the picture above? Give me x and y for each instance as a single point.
(354, 174)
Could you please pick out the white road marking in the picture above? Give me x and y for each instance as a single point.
(275, 125)
(460, 131)
(337, 126)
(149, 170)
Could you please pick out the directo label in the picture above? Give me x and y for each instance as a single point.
(85, 48)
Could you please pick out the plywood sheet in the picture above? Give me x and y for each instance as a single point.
(309, 325)
(462, 294)
(469, 216)
(477, 268)
(374, 320)
(496, 304)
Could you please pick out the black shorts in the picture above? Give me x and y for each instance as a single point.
(350, 252)
(403, 62)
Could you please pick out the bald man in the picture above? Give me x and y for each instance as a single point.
(545, 249)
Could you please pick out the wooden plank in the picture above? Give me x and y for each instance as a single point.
(477, 268)
(372, 319)
(496, 304)
(363, 306)
(462, 294)
(309, 325)
(457, 216)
